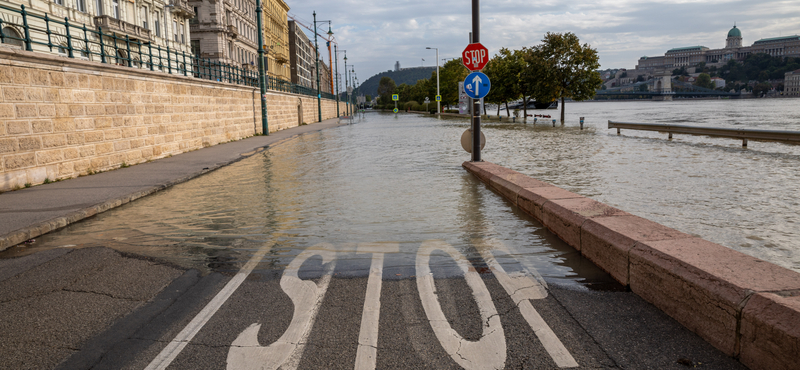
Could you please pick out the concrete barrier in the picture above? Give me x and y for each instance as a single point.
(746, 307)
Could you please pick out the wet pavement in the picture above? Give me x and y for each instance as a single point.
(362, 246)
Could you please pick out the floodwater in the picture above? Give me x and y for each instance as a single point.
(383, 179)
(744, 198)
(398, 179)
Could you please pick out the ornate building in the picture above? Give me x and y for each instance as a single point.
(276, 37)
(786, 46)
(129, 26)
(226, 31)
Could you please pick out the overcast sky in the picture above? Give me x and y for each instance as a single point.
(377, 33)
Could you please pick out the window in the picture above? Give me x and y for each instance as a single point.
(115, 8)
(196, 18)
(11, 36)
(175, 30)
(196, 48)
(60, 2)
(143, 15)
(81, 4)
(99, 6)
(156, 19)
(183, 34)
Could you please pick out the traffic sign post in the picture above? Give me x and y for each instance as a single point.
(477, 85)
(475, 56)
(395, 97)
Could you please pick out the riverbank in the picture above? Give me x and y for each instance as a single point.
(744, 306)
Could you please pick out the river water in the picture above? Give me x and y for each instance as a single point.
(398, 179)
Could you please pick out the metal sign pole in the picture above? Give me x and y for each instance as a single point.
(476, 107)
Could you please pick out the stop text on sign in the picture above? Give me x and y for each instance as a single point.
(475, 56)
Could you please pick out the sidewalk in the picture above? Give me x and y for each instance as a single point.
(28, 213)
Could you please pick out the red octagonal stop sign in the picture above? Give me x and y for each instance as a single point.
(475, 56)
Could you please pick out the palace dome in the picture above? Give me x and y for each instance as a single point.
(734, 32)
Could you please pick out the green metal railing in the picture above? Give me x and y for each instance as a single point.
(35, 32)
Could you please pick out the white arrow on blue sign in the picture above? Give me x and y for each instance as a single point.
(477, 85)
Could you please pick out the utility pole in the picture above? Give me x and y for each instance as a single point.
(261, 72)
(347, 102)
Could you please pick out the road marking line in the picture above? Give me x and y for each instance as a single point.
(174, 348)
(522, 288)
(367, 353)
(489, 352)
(307, 296)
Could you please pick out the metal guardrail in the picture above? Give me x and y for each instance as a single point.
(106, 44)
(733, 133)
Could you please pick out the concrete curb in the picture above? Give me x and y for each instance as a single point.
(21, 235)
(746, 307)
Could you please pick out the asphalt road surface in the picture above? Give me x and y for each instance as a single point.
(445, 312)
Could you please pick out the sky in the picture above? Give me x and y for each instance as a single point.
(377, 33)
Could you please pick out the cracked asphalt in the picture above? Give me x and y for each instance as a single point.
(96, 308)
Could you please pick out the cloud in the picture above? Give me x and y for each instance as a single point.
(378, 33)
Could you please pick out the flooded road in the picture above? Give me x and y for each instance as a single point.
(398, 178)
(386, 178)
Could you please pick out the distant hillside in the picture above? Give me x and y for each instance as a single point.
(408, 76)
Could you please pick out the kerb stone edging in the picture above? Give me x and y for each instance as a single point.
(746, 307)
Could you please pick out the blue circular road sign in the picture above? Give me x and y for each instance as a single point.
(477, 85)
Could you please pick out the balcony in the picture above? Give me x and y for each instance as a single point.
(182, 8)
(121, 28)
(232, 31)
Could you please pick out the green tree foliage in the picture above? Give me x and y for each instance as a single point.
(569, 68)
(704, 80)
(386, 88)
(640, 78)
(751, 68)
(642, 87)
(504, 76)
(452, 73)
(761, 89)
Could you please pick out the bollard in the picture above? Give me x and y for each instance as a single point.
(514, 119)
(534, 121)
(581, 123)
(554, 123)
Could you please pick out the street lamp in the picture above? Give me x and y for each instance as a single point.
(438, 103)
(336, 52)
(262, 85)
(316, 49)
(347, 103)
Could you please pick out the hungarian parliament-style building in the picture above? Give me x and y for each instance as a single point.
(786, 46)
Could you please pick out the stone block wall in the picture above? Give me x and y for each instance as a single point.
(61, 118)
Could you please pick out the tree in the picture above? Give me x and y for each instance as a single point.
(643, 87)
(504, 86)
(452, 73)
(369, 98)
(570, 69)
(704, 80)
(532, 70)
(640, 78)
(386, 88)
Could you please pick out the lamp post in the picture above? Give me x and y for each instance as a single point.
(261, 72)
(347, 102)
(316, 50)
(336, 52)
(438, 103)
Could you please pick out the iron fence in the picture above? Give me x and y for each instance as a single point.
(35, 32)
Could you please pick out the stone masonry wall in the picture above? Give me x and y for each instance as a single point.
(61, 118)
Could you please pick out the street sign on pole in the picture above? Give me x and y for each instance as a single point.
(475, 56)
(395, 97)
(438, 98)
(477, 85)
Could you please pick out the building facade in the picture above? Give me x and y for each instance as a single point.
(301, 55)
(324, 77)
(225, 32)
(791, 83)
(276, 38)
(785, 46)
(129, 28)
